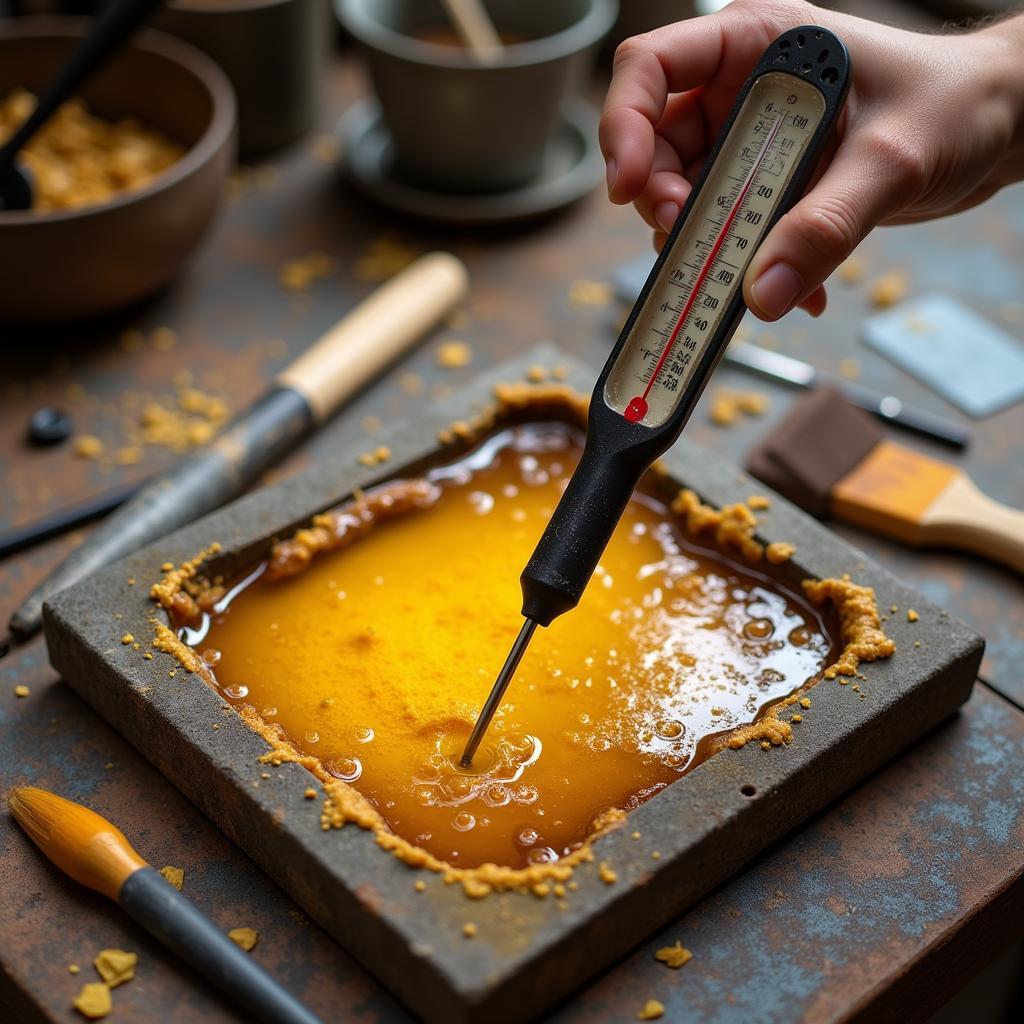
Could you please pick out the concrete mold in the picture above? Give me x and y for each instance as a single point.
(527, 953)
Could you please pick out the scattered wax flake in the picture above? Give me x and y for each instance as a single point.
(299, 274)
(852, 270)
(674, 956)
(652, 1010)
(244, 937)
(93, 1001)
(176, 876)
(724, 411)
(753, 403)
(127, 639)
(21, 691)
(912, 616)
(765, 745)
(759, 502)
(849, 368)
(537, 374)
(888, 289)
(779, 552)
(163, 339)
(411, 383)
(469, 929)
(310, 794)
(454, 354)
(420, 885)
(88, 446)
(590, 293)
(383, 257)
(606, 874)
(115, 966)
(805, 702)
(541, 890)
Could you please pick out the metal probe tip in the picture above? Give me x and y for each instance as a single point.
(498, 691)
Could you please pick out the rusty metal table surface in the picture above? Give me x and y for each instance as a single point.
(881, 905)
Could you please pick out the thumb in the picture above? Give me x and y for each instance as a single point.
(854, 194)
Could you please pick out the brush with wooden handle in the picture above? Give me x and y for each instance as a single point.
(92, 851)
(830, 458)
(302, 397)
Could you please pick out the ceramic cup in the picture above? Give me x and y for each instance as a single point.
(273, 52)
(459, 126)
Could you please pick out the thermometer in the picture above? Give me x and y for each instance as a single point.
(685, 315)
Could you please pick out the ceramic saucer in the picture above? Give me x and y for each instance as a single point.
(572, 167)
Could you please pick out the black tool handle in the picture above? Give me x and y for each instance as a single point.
(199, 483)
(109, 31)
(896, 411)
(579, 530)
(152, 901)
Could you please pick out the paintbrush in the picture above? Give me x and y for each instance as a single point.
(830, 458)
(89, 849)
(301, 398)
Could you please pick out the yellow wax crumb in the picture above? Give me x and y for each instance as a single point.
(888, 289)
(765, 745)
(131, 581)
(383, 453)
(536, 374)
(606, 874)
(88, 446)
(779, 552)
(298, 274)
(469, 929)
(73, 968)
(560, 372)
(590, 293)
(383, 257)
(454, 354)
(849, 368)
(21, 691)
(129, 455)
(852, 270)
(759, 502)
(420, 885)
(411, 383)
(244, 937)
(127, 639)
(724, 411)
(753, 403)
(674, 956)
(310, 794)
(115, 966)
(797, 718)
(558, 889)
(93, 1001)
(176, 876)
(726, 405)
(167, 567)
(634, 835)
(917, 643)
(651, 1010)
(541, 890)
(912, 616)
(805, 702)
(163, 339)
(656, 855)
(371, 424)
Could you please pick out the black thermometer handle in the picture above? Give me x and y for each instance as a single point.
(618, 452)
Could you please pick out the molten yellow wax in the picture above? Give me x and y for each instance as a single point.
(377, 657)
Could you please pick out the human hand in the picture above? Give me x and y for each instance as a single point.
(932, 125)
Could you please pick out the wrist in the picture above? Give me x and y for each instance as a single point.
(999, 58)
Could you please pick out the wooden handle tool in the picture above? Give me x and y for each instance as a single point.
(305, 394)
(474, 27)
(831, 458)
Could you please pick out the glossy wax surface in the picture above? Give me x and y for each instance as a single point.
(377, 657)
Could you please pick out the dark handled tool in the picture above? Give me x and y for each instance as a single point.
(685, 315)
(110, 30)
(304, 395)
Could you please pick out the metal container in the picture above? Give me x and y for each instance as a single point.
(461, 126)
(274, 54)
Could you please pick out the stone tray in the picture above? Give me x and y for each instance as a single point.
(527, 953)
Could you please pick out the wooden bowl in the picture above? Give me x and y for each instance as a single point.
(57, 265)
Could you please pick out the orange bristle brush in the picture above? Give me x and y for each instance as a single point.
(832, 459)
(89, 849)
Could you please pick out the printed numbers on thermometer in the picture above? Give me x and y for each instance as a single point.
(712, 251)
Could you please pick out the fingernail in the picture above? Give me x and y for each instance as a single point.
(777, 289)
(665, 213)
(612, 172)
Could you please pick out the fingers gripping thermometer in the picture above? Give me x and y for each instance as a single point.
(684, 317)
